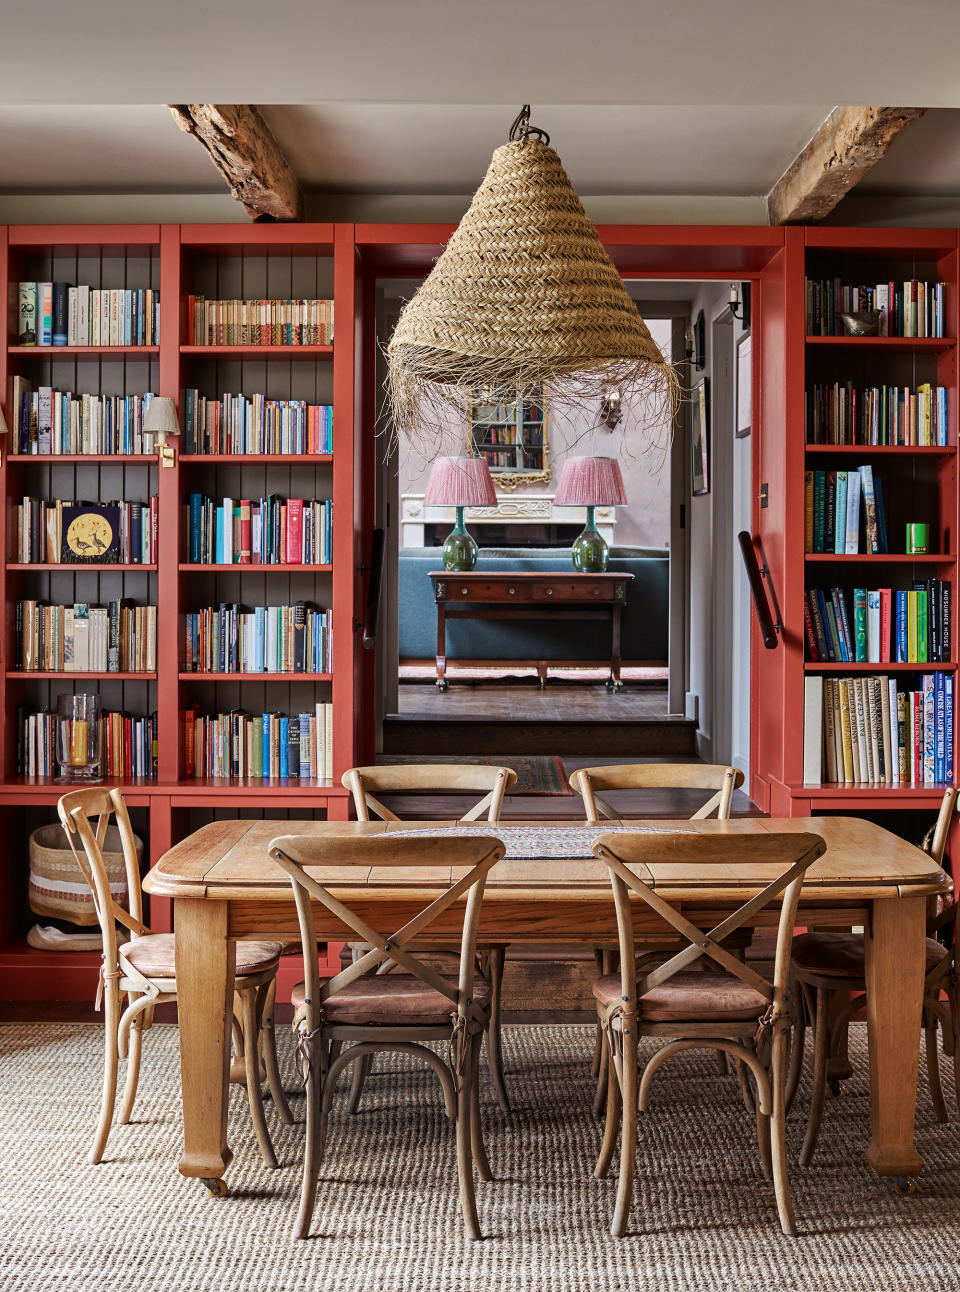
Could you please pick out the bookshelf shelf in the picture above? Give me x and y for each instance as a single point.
(879, 558)
(254, 677)
(313, 352)
(934, 344)
(886, 450)
(249, 567)
(888, 667)
(51, 459)
(895, 795)
(81, 351)
(27, 675)
(302, 459)
(65, 567)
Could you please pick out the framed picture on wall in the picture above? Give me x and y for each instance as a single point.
(744, 386)
(700, 437)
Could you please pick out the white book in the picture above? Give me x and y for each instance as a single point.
(812, 730)
(852, 546)
(105, 317)
(44, 418)
(891, 732)
(873, 626)
(69, 651)
(71, 316)
(228, 531)
(81, 637)
(83, 316)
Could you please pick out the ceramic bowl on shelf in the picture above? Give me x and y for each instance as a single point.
(861, 323)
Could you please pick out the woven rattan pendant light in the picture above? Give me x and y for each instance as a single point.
(523, 296)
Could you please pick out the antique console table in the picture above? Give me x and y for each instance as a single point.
(529, 596)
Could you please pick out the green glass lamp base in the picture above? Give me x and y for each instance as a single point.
(590, 552)
(460, 550)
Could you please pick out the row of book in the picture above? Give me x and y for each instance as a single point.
(49, 421)
(61, 314)
(237, 424)
(832, 511)
(881, 626)
(865, 729)
(912, 308)
(128, 745)
(259, 322)
(116, 638)
(264, 746)
(230, 638)
(842, 414)
(42, 529)
(265, 531)
(502, 458)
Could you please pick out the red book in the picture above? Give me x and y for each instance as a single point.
(916, 737)
(812, 651)
(244, 554)
(294, 548)
(886, 615)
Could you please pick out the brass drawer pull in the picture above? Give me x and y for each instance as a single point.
(465, 591)
(549, 592)
(512, 591)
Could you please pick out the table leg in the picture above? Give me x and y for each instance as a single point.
(894, 973)
(441, 648)
(205, 963)
(616, 613)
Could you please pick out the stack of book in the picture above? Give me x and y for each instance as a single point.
(842, 414)
(40, 531)
(912, 308)
(117, 638)
(267, 531)
(235, 424)
(293, 322)
(833, 502)
(61, 314)
(265, 746)
(863, 729)
(57, 421)
(879, 625)
(267, 639)
(128, 745)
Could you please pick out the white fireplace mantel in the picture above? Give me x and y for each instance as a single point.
(518, 509)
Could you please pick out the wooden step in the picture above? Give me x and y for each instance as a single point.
(676, 736)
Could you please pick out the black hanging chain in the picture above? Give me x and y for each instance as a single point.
(522, 130)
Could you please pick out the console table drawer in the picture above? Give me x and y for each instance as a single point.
(474, 590)
(571, 590)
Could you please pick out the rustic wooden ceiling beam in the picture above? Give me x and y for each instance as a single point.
(246, 154)
(849, 143)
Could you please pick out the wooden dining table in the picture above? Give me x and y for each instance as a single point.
(548, 889)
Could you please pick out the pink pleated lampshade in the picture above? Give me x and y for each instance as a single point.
(460, 482)
(591, 482)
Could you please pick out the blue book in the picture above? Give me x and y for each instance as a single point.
(901, 627)
(196, 517)
(939, 759)
(283, 747)
(948, 729)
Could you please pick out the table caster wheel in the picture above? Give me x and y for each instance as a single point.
(835, 1088)
(217, 1188)
(443, 686)
(905, 1185)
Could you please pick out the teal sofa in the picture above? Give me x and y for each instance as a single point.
(645, 616)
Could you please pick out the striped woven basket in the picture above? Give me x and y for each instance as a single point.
(57, 888)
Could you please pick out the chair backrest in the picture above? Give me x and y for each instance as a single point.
(453, 868)
(757, 867)
(940, 911)
(77, 811)
(649, 776)
(472, 778)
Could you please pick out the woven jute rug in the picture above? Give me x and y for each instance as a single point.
(387, 1218)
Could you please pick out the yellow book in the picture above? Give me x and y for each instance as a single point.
(808, 511)
(912, 623)
(845, 731)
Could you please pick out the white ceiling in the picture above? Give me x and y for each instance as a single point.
(761, 52)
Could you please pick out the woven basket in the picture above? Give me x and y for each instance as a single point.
(57, 888)
(523, 294)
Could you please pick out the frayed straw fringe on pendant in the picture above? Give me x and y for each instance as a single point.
(524, 295)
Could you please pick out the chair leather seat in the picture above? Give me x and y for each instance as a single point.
(842, 954)
(153, 955)
(392, 999)
(690, 997)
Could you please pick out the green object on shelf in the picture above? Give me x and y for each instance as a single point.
(590, 552)
(460, 550)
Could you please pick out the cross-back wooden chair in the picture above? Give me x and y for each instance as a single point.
(492, 783)
(588, 782)
(828, 962)
(735, 1010)
(144, 970)
(398, 1011)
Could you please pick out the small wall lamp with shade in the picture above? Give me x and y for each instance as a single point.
(161, 421)
(460, 482)
(590, 483)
